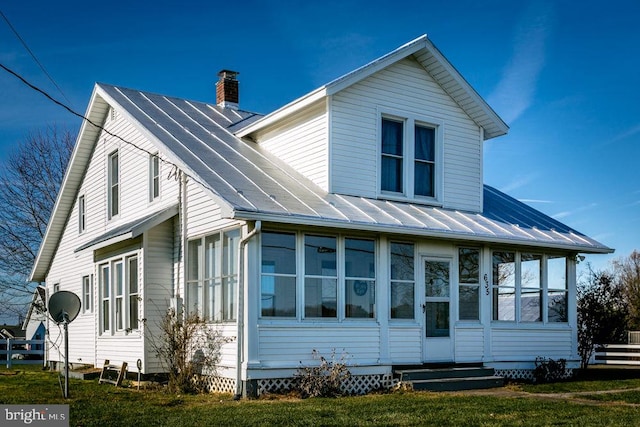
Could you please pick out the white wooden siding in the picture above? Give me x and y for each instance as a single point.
(302, 142)
(469, 344)
(520, 344)
(404, 86)
(68, 267)
(288, 346)
(405, 345)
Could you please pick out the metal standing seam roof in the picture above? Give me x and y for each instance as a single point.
(256, 185)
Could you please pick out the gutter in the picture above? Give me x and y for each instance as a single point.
(240, 314)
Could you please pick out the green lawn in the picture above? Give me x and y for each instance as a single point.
(93, 404)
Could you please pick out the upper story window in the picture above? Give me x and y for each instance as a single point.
(113, 182)
(87, 293)
(82, 214)
(409, 152)
(154, 177)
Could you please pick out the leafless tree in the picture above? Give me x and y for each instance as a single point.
(30, 177)
(627, 272)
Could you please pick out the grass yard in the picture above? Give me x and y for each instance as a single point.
(604, 398)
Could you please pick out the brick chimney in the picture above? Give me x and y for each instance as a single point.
(227, 89)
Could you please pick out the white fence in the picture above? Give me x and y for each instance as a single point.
(617, 354)
(18, 352)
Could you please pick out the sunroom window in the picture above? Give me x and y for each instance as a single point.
(469, 284)
(212, 275)
(360, 278)
(278, 278)
(320, 276)
(529, 287)
(402, 280)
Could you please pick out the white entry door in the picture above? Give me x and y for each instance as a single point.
(436, 309)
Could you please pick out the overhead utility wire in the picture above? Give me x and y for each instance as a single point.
(34, 56)
(75, 113)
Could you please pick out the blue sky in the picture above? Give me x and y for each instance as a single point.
(562, 74)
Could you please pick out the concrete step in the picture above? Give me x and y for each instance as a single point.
(429, 374)
(458, 384)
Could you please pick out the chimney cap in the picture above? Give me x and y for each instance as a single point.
(228, 74)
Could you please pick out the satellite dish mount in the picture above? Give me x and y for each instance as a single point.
(64, 307)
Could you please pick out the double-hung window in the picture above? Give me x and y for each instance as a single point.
(87, 294)
(469, 284)
(409, 158)
(360, 278)
(402, 280)
(113, 182)
(154, 177)
(82, 214)
(212, 275)
(119, 289)
(320, 276)
(278, 277)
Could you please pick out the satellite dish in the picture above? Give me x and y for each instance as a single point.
(64, 306)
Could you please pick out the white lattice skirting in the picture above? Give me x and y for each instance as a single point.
(356, 384)
(523, 374)
(218, 384)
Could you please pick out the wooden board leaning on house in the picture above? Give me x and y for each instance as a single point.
(113, 374)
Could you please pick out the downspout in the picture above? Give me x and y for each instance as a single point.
(240, 314)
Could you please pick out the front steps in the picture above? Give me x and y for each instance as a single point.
(453, 378)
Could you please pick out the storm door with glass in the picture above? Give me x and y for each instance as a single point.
(437, 310)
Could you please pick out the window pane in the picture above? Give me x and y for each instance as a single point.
(425, 143)
(424, 177)
(229, 289)
(436, 278)
(392, 137)
(402, 265)
(504, 269)
(230, 252)
(320, 297)
(557, 272)
(504, 303)
(133, 312)
(402, 300)
(279, 252)
(118, 278)
(360, 258)
(530, 305)
(278, 296)
(469, 265)
(530, 267)
(133, 275)
(194, 250)
(391, 177)
(211, 256)
(320, 256)
(437, 315)
(469, 302)
(557, 306)
(360, 298)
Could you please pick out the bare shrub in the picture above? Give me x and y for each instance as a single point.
(328, 379)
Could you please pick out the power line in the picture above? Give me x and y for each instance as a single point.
(34, 56)
(108, 132)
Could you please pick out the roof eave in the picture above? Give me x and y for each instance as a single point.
(414, 231)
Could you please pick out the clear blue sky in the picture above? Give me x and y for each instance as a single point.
(563, 74)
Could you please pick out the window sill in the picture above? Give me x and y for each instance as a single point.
(427, 201)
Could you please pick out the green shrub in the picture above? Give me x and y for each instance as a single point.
(549, 370)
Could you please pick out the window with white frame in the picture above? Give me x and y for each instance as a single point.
(82, 214)
(154, 177)
(278, 277)
(468, 284)
(113, 183)
(402, 280)
(119, 289)
(212, 275)
(320, 276)
(87, 293)
(529, 287)
(408, 163)
(360, 278)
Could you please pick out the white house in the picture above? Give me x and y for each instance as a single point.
(354, 218)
